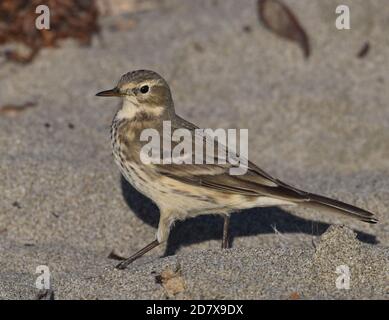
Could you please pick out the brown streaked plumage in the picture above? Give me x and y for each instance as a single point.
(186, 190)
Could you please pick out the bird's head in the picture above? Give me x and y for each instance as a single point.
(142, 89)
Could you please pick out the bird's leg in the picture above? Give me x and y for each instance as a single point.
(141, 252)
(165, 222)
(225, 244)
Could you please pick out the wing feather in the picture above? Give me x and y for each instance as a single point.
(255, 182)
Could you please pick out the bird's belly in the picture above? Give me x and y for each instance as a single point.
(182, 198)
(179, 201)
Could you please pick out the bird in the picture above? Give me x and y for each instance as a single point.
(187, 190)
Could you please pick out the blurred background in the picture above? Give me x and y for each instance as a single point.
(314, 99)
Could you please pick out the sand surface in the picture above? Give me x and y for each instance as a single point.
(320, 124)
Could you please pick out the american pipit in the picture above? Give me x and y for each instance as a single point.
(186, 190)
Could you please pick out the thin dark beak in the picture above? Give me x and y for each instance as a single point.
(109, 93)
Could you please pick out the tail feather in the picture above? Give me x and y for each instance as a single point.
(317, 201)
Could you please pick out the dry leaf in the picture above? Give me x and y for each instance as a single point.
(364, 50)
(278, 18)
(172, 281)
(294, 296)
(68, 19)
(13, 110)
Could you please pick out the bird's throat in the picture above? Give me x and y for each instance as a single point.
(128, 111)
(139, 112)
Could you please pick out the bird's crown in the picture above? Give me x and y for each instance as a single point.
(139, 76)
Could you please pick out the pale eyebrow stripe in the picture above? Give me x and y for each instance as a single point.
(153, 82)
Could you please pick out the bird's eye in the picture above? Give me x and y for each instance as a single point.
(144, 89)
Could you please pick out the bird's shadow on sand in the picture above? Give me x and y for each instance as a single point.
(210, 227)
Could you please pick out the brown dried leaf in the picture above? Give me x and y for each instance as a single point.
(13, 110)
(172, 281)
(364, 50)
(277, 17)
(294, 296)
(68, 19)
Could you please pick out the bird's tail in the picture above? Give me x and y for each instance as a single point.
(336, 206)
